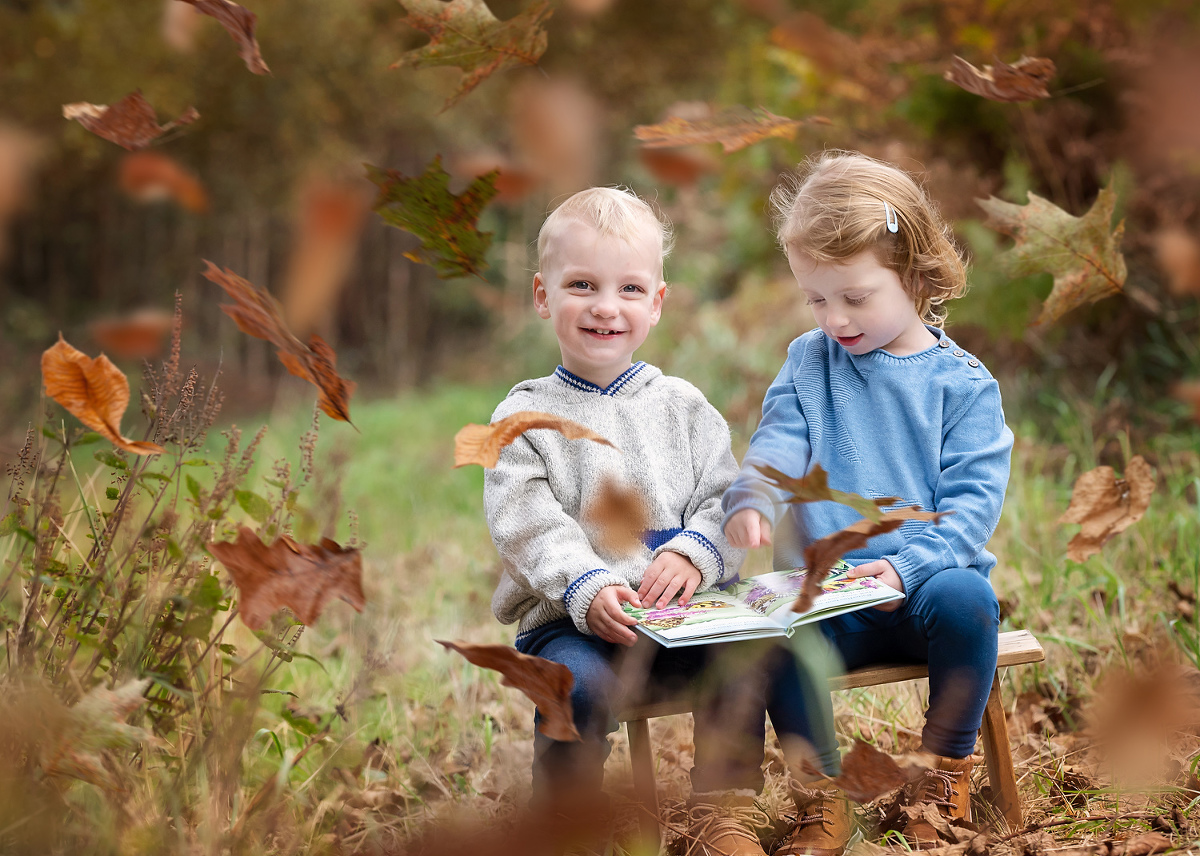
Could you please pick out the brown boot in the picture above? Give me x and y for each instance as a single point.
(723, 824)
(946, 786)
(825, 823)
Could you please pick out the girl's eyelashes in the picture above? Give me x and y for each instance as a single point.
(813, 301)
(857, 301)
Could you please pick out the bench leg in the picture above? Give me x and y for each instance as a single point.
(998, 754)
(642, 756)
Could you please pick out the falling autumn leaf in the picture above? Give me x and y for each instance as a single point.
(20, 152)
(258, 314)
(619, 515)
(1188, 391)
(1024, 80)
(302, 577)
(140, 335)
(465, 34)
(734, 128)
(1178, 254)
(868, 773)
(547, 684)
(512, 182)
(239, 22)
(1105, 505)
(94, 391)
(151, 177)
(444, 222)
(130, 123)
(814, 487)
(679, 167)
(481, 444)
(1083, 253)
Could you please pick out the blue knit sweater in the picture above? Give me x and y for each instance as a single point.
(926, 427)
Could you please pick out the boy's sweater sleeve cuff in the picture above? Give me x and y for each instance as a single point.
(701, 552)
(578, 597)
(736, 500)
(910, 574)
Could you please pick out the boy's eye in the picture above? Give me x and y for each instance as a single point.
(632, 289)
(581, 284)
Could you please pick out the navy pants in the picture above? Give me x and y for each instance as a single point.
(951, 623)
(733, 682)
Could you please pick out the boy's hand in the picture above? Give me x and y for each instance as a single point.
(881, 569)
(608, 620)
(748, 529)
(668, 574)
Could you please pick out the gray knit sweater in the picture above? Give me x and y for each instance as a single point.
(673, 450)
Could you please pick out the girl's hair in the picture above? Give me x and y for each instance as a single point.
(612, 211)
(833, 208)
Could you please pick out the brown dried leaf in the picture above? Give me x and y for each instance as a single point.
(130, 123)
(734, 128)
(868, 773)
(1188, 391)
(258, 314)
(140, 335)
(302, 577)
(239, 22)
(1145, 844)
(151, 177)
(1024, 80)
(619, 515)
(94, 391)
(814, 487)
(481, 444)
(546, 684)
(94, 724)
(1105, 505)
(19, 154)
(680, 167)
(1178, 254)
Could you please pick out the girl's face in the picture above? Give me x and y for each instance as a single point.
(861, 304)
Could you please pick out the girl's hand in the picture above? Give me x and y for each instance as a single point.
(608, 620)
(882, 570)
(668, 574)
(748, 529)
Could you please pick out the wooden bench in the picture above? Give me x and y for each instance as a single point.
(1016, 648)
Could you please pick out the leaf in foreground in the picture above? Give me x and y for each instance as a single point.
(814, 487)
(1083, 253)
(94, 724)
(445, 223)
(239, 22)
(481, 444)
(868, 773)
(302, 577)
(734, 128)
(465, 34)
(152, 177)
(258, 314)
(1024, 80)
(130, 123)
(1105, 505)
(94, 391)
(820, 556)
(546, 684)
(619, 516)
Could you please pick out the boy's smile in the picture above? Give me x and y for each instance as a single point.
(603, 294)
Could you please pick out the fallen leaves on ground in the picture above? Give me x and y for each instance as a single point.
(734, 128)
(619, 516)
(868, 773)
(130, 123)
(814, 487)
(1083, 253)
(1024, 80)
(258, 314)
(239, 22)
(444, 222)
(96, 723)
(481, 444)
(94, 391)
(547, 684)
(465, 34)
(1105, 505)
(140, 335)
(302, 577)
(151, 177)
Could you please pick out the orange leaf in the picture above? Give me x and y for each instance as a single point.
(481, 444)
(868, 773)
(150, 177)
(681, 168)
(546, 684)
(1024, 80)
(734, 128)
(258, 314)
(1106, 505)
(136, 336)
(93, 391)
(239, 22)
(130, 123)
(1178, 254)
(302, 577)
(814, 487)
(619, 515)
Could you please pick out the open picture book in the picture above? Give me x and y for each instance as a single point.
(757, 608)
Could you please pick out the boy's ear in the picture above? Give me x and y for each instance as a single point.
(540, 302)
(656, 309)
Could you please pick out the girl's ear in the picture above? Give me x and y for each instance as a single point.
(540, 301)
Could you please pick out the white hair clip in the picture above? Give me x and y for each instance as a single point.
(893, 222)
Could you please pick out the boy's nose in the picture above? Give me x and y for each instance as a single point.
(604, 307)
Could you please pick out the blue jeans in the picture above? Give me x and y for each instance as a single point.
(732, 682)
(949, 622)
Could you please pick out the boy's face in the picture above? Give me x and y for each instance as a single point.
(603, 295)
(861, 304)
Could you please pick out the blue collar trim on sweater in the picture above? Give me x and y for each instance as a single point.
(613, 388)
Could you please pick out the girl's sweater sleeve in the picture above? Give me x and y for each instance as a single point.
(544, 550)
(974, 477)
(714, 469)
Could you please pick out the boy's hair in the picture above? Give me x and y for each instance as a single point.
(832, 208)
(612, 211)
